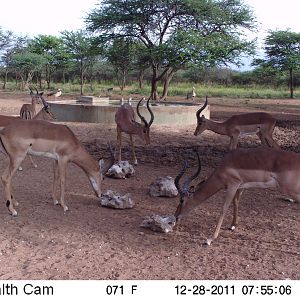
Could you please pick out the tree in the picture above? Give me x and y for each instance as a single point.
(175, 32)
(26, 64)
(81, 48)
(282, 49)
(121, 55)
(13, 45)
(51, 48)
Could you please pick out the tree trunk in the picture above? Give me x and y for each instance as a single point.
(5, 79)
(154, 83)
(167, 81)
(291, 83)
(141, 78)
(81, 77)
(47, 76)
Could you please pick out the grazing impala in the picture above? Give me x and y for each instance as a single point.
(125, 119)
(259, 123)
(41, 138)
(28, 111)
(242, 169)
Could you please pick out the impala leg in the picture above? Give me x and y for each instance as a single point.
(228, 199)
(236, 201)
(33, 163)
(262, 138)
(271, 142)
(133, 150)
(233, 142)
(62, 177)
(6, 180)
(55, 182)
(119, 140)
(267, 135)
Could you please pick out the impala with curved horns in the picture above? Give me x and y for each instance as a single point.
(259, 123)
(56, 141)
(125, 119)
(241, 169)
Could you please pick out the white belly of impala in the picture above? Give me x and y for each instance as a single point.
(272, 183)
(45, 154)
(248, 131)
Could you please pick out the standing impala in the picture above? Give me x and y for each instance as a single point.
(125, 119)
(259, 123)
(28, 111)
(241, 169)
(41, 138)
(43, 114)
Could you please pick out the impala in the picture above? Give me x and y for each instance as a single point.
(28, 111)
(242, 169)
(41, 138)
(125, 119)
(43, 114)
(259, 123)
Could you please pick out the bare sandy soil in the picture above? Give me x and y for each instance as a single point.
(93, 242)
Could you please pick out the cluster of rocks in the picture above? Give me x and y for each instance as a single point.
(160, 187)
(121, 170)
(158, 223)
(114, 200)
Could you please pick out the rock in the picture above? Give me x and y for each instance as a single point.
(122, 170)
(159, 223)
(114, 200)
(163, 187)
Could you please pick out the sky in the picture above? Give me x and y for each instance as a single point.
(34, 17)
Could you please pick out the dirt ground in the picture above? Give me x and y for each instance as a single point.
(93, 242)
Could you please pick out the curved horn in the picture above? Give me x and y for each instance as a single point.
(185, 187)
(138, 112)
(151, 113)
(201, 109)
(187, 183)
(37, 92)
(178, 177)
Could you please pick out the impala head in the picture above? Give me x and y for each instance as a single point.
(144, 134)
(36, 97)
(201, 121)
(185, 191)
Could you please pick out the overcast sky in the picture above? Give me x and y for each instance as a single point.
(35, 17)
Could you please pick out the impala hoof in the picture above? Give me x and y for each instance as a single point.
(232, 227)
(20, 169)
(208, 242)
(55, 202)
(35, 166)
(66, 208)
(14, 213)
